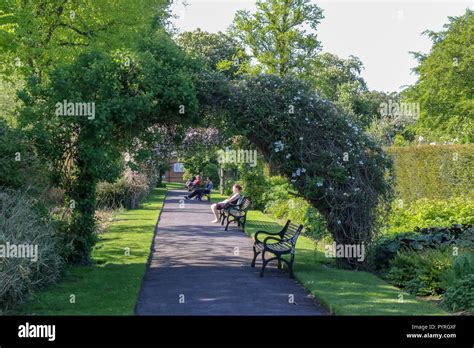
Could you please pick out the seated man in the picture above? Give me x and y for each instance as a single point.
(200, 192)
(231, 200)
(195, 184)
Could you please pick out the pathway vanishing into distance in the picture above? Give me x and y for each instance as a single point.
(195, 269)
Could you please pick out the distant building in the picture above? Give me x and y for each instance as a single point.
(175, 172)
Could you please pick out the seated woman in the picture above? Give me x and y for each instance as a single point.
(195, 184)
(199, 192)
(231, 200)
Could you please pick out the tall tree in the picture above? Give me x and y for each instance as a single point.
(126, 100)
(35, 35)
(339, 81)
(328, 72)
(219, 51)
(445, 85)
(277, 34)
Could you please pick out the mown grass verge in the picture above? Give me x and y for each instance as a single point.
(343, 292)
(110, 286)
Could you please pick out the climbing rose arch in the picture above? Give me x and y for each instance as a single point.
(327, 157)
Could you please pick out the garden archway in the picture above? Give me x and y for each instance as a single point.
(329, 160)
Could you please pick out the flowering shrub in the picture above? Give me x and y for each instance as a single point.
(328, 159)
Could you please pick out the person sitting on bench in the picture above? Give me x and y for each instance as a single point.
(195, 184)
(231, 200)
(190, 181)
(200, 192)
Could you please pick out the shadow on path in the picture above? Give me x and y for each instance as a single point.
(197, 268)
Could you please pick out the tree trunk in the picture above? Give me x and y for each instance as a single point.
(221, 180)
(82, 234)
(160, 178)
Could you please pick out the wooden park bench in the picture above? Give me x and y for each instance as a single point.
(223, 212)
(236, 213)
(208, 196)
(277, 243)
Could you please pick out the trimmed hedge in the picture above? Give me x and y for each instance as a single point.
(127, 192)
(433, 171)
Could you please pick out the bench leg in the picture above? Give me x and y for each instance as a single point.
(265, 261)
(223, 217)
(279, 263)
(264, 264)
(228, 222)
(290, 265)
(255, 255)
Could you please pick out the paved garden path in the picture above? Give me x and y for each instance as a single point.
(197, 268)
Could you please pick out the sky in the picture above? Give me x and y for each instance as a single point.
(381, 33)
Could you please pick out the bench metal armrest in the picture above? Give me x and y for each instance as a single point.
(264, 232)
(265, 241)
(231, 206)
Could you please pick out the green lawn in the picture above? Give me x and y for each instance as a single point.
(343, 292)
(111, 285)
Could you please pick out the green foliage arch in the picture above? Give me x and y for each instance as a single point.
(328, 159)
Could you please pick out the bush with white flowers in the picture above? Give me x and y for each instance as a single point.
(330, 161)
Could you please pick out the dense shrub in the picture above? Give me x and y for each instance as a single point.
(433, 171)
(430, 212)
(127, 192)
(277, 191)
(386, 247)
(460, 296)
(112, 195)
(280, 202)
(20, 165)
(254, 182)
(459, 284)
(463, 265)
(21, 223)
(211, 170)
(301, 212)
(420, 272)
(228, 183)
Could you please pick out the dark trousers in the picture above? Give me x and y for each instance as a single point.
(198, 192)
